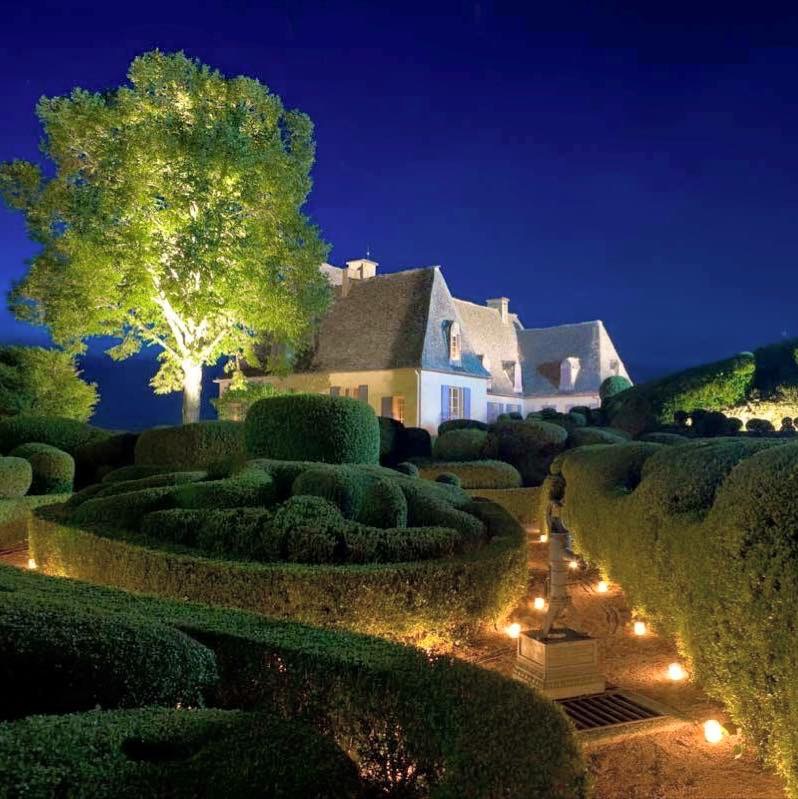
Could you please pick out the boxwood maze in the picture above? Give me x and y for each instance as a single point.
(703, 537)
(354, 546)
(281, 699)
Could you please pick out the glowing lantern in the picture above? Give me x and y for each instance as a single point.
(32, 564)
(543, 538)
(602, 587)
(539, 603)
(713, 731)
(513, 630)
(640, 628)
(676, 672)
(573, 564)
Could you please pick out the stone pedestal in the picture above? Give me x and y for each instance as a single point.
(563, 665)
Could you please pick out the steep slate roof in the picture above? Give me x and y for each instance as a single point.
(543, 349)
(491, 337)
(392, 321)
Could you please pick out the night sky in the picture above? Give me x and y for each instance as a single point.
(588, 161)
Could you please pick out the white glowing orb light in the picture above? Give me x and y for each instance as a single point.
(640, 628)
(543, 538)
(573, 564)
(513, 630)
(676, 672)
(602, 587)
(32, 564)
(539, 603)
(713, 731)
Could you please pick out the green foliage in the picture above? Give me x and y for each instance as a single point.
(416, 724)
(613, 385)
(342, 487)
(461, 424)
(125, 510)
(251, 487)
(113, 487)
(235, 403)
(190, 446)
(529, 446)
(390, 439)
(707, 550)
(384, 505)
(670, 439)
(55, 658)
(409, 469)
(65, 434)
(53, 469)
(448, 478)
(522, 503)
(41, 382)
(759, 427)
(175, 200)
(16, 477)
(582, 436)
(460, 445)
(95, 460)
(313, 427)
(125, 473)
(416, 442)
(166, 752)
(476, 474)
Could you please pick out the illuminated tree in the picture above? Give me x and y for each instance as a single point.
(173, 218)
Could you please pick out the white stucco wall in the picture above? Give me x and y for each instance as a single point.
(431, 383)
(561, 402)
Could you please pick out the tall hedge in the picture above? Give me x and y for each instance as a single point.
(416, 724)
(53, 469)
(313, 427)
(530, 446)
(65, 434)
(190, 446)
(702, 537)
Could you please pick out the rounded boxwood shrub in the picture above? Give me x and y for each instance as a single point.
(344, 488)
(759, 427)
(670, 439)
(390, 439)
(53, 469)
(125, 511)
(460, 445)
(125, 473)
(252, 487)
(461, 424)
(189, 446)
(313, 427)
(613, 385)
(384, 505)
(584, 436)
(448, 478)
(56, 658)
(62, 433)
(216, 754)
(410, 469)
(476, 474)
(529, 446)
(416, 442)
(16, 477)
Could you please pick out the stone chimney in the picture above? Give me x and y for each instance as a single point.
(502, 305)
(360, 269)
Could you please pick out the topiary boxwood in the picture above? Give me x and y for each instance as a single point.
(613, 385)
(16, 477)
(476, 474)
(313, 427)
(529, 446)
(53, 469)
(585, 436)
(251, 487)
(93, 461)
(460, 445)
(62, 433)
(461, 424)
(190, 446)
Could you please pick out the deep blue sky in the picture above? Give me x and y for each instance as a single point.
(588, 161)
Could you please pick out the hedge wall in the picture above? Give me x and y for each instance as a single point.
(416, 724)
(313, 427)
(475, 474)
(434, 599)
(65, 434)
(174, 753)
(190, 446)
(522, 503)
(707, 546)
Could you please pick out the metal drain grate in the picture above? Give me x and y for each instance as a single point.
(605, 710)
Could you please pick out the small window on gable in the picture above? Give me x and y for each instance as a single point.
(569, 371)
(455, 342)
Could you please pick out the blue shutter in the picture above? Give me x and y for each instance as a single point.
(363, 393)
(387, 407)
(444, 403)
(466, 403)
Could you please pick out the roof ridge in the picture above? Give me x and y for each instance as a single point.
(565, 324)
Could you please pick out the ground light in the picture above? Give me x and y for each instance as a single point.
(676, 672)
(539, 603)
(713, 731)
(573, 564)
(640, 628)
(513, 630)
(32, 564)
(602, 587)
(543, 538)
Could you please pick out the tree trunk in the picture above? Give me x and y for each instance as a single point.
(192, 391)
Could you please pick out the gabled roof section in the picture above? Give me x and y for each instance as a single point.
(495, 340)
(543, 350)
(443, 310)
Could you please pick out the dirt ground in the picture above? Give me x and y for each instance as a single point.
(675, 763)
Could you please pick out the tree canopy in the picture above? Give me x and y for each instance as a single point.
(173, 218)
(44, 382)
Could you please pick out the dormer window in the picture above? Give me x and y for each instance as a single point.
(455, 343)
(569, 371)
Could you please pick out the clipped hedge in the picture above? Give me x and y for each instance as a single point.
(707, 549)
(16, 477)
(174, 753)
(93, 461)
(124, 473)
(585, 436)
(461, 424)
(460, 445)
(313, 427)
(249, 488)
(670, 439)
(522, 503)
(14, 514)
(189, 446)
(53, 469)
(125, 510)
(436, 598)
(529, 446)
(416, 724)
(476, 474)
(55, 658)
(62, 433)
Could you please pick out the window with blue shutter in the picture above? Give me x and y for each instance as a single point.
(445, 403)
